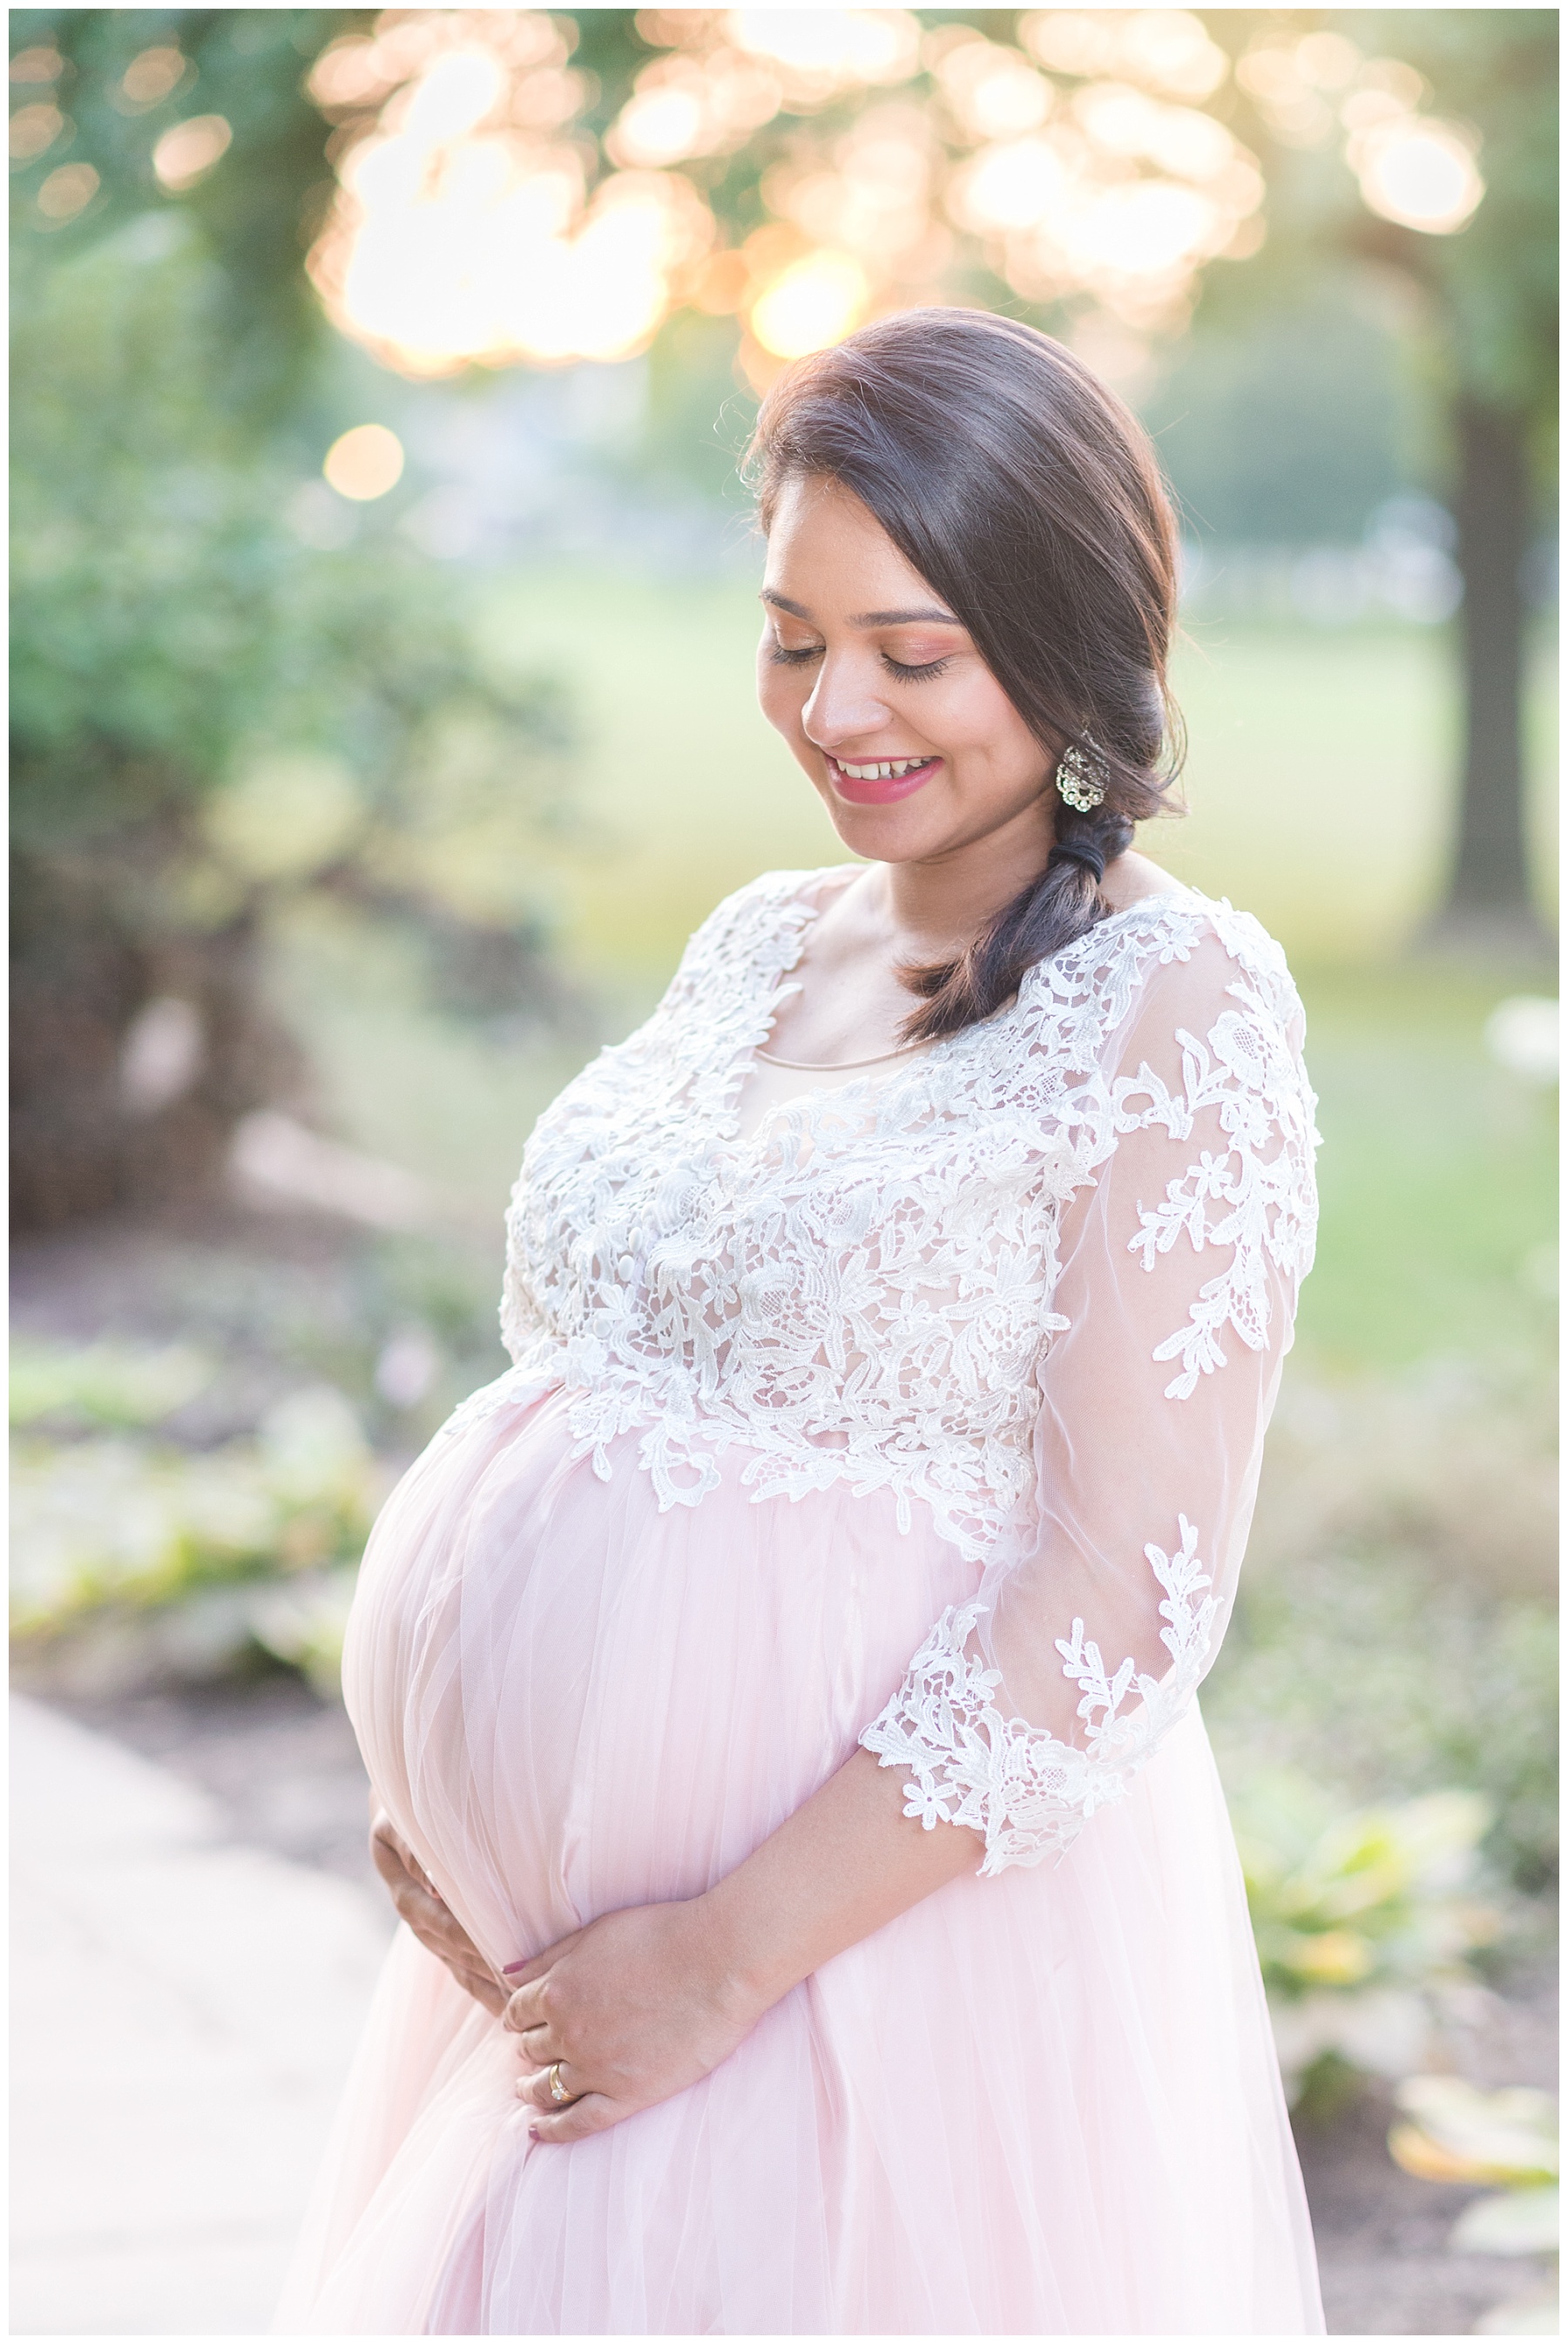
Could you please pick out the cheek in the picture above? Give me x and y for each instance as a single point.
(781, 693)
(975, 718)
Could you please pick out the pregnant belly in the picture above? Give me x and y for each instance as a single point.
(570, 1702)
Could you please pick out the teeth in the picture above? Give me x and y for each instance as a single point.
(890, 770)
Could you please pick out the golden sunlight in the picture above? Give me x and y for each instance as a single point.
(468, 229)
(823, 51)
(463, 231)
(813, 303)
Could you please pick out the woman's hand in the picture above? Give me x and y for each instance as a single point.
(642, 2004)
(634, 2008)
(437, 1927)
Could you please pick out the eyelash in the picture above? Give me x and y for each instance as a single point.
(916, 674)
(932, 668)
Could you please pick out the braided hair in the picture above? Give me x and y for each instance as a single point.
(1024, 492)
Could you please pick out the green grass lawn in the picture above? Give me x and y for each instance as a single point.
(1318, 780)
(1437, 1177)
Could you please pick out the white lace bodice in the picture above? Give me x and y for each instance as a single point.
(877, 1287)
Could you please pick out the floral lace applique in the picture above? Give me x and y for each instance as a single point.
(1027, 1792)
(860, 1291)
(1263, 1183)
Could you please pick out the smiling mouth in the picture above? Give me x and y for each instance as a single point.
(877, 781)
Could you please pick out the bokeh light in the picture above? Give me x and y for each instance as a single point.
(813, 303)
(364, 463)
(464, 230)
(34, 130)
(68, 191)
(1420, 173)
(1163, 49)
(825, 51)
(149, 78)
(36, 64)
(477, 222)
(1410, 167)
(189, 151)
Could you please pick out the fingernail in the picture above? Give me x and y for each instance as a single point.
(510, 1966)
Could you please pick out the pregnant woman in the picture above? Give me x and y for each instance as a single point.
(779, 1686)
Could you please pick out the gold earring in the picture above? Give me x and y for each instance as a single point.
(1082, 779)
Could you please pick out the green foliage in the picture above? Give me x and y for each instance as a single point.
(59, 1387)
(1507, 2141)
(210, 716)
(1384, 1676)
(1288, 428)
(106, 1528)
(1497, 278)
(1490, 290)
(247, 65)
(1360, 1899)
(167, 619)
(1363, 1921)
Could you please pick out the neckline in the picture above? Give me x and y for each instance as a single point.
(807, 900)
(834, 1067)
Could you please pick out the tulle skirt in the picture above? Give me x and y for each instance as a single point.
(1046, 2102)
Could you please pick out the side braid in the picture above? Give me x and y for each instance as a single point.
(1063, 902)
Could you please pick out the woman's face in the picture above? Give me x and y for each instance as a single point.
(905, 734)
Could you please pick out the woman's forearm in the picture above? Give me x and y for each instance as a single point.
(844, 1865)
(644, 2003)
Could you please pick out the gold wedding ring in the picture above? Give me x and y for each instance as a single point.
(558, 2092)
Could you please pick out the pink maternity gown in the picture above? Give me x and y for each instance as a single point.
(922, 1410)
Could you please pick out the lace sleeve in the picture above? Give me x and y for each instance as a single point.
(1179, 1264)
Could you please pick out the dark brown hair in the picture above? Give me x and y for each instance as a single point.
(1028, 497)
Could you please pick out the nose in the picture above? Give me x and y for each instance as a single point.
(844, 704)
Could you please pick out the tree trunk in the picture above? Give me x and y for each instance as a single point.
(1489, 892)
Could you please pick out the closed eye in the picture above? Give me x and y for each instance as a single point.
(787, 658)
(911, 675)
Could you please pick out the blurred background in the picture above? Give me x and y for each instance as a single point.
(383, 723)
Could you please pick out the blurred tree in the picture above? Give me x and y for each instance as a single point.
(1494, 287)
(208, 716)
(1486, 290)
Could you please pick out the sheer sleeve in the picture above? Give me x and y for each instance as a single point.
(1179, 1262)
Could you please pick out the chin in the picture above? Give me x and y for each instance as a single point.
(882, 833)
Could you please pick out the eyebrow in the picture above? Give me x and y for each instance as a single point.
(869, 618)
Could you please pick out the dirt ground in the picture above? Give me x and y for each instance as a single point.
(285, 1768)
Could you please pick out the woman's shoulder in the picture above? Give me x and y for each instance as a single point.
(1173, 958)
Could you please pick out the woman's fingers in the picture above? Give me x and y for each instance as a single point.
(432, 1922)
(422, 1910)
(592, 2113)
(484, 1989)
(551, 2120)
(537, 2087)
(531, 1973)
(531, 2005)
(393, 1857)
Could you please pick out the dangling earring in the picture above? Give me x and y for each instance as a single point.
(1081, 778)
